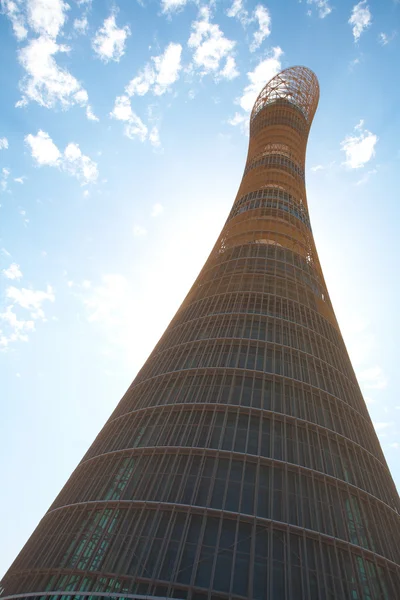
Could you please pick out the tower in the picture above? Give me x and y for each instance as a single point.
(241, 463)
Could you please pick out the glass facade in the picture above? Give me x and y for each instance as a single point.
(242, 462)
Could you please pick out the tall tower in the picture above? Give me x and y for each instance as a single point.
(242, 462)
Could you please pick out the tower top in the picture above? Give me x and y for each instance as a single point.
(297, 85)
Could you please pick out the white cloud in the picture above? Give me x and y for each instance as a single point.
(323, 7)
(30, 300)
(263, 17)
(12, 9)
(72, 161)
(169, 6)
(157, 210)
(316, 168)
(47, 17)
(260, 15)
(13, 272)
(373, 378)
(45, 82)
(359, 147)
(154, 137)
(5, 173)
(211, 47)
(13, 329)
(109, 41)
(264, 71)
(167, 68)
(90, 114)
(3, 143)
(81, 25)
(134, 126)
(24, 308)
(122, 109)
(229, 71)
(80, 166)
(240, 119)
(43, 149)
(139, 231)
(385, 39)
(360, 19)
(160, 75)
(239, 12)
(20, 179)
(22, 212)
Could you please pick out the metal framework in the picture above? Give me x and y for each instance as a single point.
(242, 462)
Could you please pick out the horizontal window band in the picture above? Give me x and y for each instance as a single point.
(257, 294)
(281, 525)
(241, 371)
(262, 460)
(230, 342)
(275, 161)
(248, 411)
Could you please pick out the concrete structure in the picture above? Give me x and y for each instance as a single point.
(242, 462)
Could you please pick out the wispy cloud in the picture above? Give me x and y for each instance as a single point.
(360, 19)
(14, 12)
(3, 143)
(154, 137)
(47, 17)
(264, 71)
(24, 307)
(159, 75)
(13, 272)
(109, 40)
(365, 178)
(316, 168)
(359, 148)
(169, 6)
(385, 39)
(237, 11)
(44, 81)
(134, 126)
(263, 18)
(323, 7)
(5, 173)
(72, 161)
(25, 219)
(211, 49)
(81, 25)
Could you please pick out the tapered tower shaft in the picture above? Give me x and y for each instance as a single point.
(242, 462)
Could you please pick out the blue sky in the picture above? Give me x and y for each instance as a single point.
(122, 145)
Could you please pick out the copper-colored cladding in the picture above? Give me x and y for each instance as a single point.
(242, 462)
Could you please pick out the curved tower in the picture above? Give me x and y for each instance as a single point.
(242, 462)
